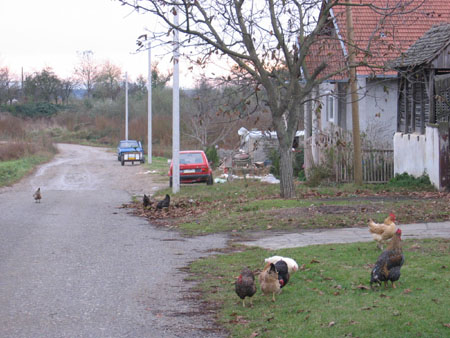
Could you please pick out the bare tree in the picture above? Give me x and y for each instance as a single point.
(9, 88)
(86, 71)
(108, 81)
(65, 89)
(210, 115)
(268, 41)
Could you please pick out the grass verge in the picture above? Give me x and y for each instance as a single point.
(250, 205)
(329, 295)
(14, 170)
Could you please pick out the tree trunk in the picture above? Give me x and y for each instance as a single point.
(357, 161)
(286, 172)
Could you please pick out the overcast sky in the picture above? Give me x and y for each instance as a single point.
(40, 33)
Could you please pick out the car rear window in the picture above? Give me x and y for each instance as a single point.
(129, 144)
(191, 158)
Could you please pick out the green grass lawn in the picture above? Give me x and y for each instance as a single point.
(250, 205)
(12, 171)
(328, 296)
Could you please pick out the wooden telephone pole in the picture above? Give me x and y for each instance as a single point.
(357, 159)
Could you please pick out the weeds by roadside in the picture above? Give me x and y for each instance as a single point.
(22, 147)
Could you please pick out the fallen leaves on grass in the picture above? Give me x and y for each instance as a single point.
(363, 287)
(238, 320)
(177, 209)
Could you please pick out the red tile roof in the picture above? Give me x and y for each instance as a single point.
(383, 29)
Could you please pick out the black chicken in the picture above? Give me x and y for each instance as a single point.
(245, 285)
(387, 267)
(164, 203)
(146, 201)
(283, 272)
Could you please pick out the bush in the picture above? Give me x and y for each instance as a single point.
(317, 175)
(297, 164)
(213, 157)
(409, 181)
(38, 109)
(299, 160)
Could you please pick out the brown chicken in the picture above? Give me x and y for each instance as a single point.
(268, 279)
(382, 232)
(388, 265)
(245, 285)
(37, 195)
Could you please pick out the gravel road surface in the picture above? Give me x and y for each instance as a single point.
(77, 265)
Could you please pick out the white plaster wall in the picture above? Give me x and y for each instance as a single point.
(432, 155)
(378, 111)
(417, 154)
(409, 154)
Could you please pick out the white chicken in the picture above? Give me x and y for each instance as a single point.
(292, 264)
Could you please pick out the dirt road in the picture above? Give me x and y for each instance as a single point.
(76, 265)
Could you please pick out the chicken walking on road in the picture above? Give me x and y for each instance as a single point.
(37, 195)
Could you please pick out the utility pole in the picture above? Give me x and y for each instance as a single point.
(126, 106)
(176, 109)
(357, 160)
(149, 100)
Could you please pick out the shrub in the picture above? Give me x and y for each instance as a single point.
(213, 157)
(297, 164)
(409, 181)
(38, 109)
(299, 160)
(317, 174)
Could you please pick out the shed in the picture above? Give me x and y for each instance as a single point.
(258, 144)
(424, 87)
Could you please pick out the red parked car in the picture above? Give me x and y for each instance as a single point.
(194, 167)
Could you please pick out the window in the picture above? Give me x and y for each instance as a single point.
(330, 106)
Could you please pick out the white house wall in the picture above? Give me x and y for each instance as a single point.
(377, 109)
(417, 154)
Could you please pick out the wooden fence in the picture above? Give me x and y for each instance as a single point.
(377, 166)
(335, 149)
